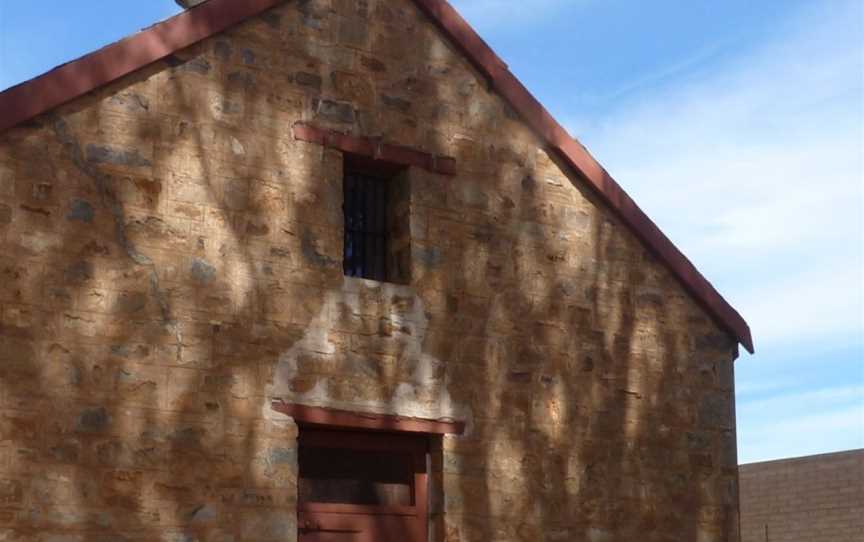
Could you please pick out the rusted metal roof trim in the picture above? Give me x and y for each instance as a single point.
(576, 156)
(71, 80)
(29, 99)
(343, 419)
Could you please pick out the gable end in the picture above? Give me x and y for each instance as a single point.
(27, 100)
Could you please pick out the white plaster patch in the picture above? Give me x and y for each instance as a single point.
(411, 398)
(237, 147)
(40, 242)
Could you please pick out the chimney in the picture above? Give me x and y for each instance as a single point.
(186, 4)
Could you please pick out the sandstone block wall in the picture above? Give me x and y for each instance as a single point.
(808, 499)
(171, 263)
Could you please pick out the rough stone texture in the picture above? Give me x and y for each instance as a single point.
(808, 499)
(144, 334)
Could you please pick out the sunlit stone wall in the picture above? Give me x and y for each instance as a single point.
(170, 263)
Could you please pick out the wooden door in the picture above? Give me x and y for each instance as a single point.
(362, 487)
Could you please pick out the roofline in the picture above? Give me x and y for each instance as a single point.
(73, 79)
(62, 84)
(816, 458)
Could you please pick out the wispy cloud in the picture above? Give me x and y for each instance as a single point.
(802, 423)
(755, 170)
(753, 166)
(696, 58)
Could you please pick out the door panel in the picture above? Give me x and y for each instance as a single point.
(361, 487)
(317, 527)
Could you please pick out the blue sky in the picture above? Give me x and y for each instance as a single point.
(738, 126)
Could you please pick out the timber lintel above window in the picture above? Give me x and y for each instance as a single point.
(374, 148)
(343, 419)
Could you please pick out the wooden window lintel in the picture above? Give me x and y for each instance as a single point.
(375, 148)
(343, 419)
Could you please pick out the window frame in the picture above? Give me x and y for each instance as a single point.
(394, 192)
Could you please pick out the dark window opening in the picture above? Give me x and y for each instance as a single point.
(365, 208)
(375, 209)
(356, 477)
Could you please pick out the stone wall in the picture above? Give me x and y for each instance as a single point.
(807, 499)
(172, 263)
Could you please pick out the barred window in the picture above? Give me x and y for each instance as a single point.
(376, 222)
(365, 209)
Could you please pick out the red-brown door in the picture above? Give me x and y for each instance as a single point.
(362, 487)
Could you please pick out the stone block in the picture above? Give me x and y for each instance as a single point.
(333, 111)
(353, 88)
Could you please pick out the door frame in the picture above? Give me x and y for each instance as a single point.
(414, 518)
(371, 430)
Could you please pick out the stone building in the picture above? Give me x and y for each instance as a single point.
(819, 498)
(325, 269)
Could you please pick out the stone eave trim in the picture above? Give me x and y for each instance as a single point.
(27, 100)
(375, 149)
(343, 419)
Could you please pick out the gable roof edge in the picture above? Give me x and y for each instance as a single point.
(74, 79)
(21, 103)
(508, 86)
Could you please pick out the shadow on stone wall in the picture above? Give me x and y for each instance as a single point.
(175, 264)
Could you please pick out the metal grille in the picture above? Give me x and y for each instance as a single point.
(365, 209)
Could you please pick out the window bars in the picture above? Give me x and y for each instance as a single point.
(365, 208)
